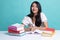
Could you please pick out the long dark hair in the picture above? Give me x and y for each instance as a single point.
(38, 16)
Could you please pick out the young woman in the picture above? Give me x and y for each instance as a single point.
(36, 19)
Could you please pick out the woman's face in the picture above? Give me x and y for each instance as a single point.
(34, 8)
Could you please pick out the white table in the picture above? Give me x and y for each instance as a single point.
(5, 36)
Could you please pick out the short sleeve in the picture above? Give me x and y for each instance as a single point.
(43, 17)
(26, 20)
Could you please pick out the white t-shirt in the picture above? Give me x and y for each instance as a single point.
(27, 20)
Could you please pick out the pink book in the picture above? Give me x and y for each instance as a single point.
(50, 29)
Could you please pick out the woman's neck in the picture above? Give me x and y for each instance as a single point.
(35, 14)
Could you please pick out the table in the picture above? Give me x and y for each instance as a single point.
(5, 36)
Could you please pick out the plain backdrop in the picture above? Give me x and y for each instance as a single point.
(13, 11)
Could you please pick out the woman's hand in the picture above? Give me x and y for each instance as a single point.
(39, 28)
(42, 28)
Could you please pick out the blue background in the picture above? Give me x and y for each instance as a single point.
(13, 11)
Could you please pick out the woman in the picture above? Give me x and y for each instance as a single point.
(36, 18)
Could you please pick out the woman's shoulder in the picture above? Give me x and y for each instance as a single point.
(42, 13)
(27, 18)
(43, 17)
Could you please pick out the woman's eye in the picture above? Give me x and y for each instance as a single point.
(35, 6)
(32, 6)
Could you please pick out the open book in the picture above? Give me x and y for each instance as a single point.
(46, 32)
(33, 32)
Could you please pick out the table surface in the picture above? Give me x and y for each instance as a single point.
(5, 36)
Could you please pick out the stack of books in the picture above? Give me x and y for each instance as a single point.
(16, 28)
(48, 32)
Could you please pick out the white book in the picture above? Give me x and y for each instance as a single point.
(18, 26)
(39, 32)
(21, 31)
(33, 32)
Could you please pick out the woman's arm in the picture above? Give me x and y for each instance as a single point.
(42, 28)
(27, 29)
(45, 26)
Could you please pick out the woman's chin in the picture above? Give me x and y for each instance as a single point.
(35, 12)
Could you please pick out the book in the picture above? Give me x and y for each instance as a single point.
(16, 28)
(14, 31)
(48, 32)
